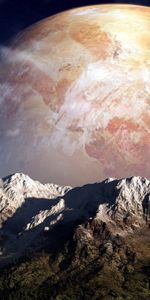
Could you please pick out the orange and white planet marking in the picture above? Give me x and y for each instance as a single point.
(75, 96)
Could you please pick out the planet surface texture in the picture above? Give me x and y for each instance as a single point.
(75, 96)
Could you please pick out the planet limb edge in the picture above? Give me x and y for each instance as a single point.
(75, 96)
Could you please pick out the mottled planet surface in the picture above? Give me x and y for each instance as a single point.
(75, 96)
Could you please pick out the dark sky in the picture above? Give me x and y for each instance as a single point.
(18, 14)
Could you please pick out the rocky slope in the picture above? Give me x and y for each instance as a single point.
(17, 188)
(89, 242)
(29, 210)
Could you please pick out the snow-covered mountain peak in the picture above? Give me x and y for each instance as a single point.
(28, 206)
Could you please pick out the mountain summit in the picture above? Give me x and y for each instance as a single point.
(29, 209)
(88, 242)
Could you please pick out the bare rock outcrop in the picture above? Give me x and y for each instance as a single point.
(28, 209)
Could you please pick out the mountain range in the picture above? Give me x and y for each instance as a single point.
(88, 242)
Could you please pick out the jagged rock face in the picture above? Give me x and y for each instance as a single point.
(29, 209)
(131, 202)
(16, 189)
(74, 94)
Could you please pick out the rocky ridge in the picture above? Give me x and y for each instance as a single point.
(17, 188)
(29, 209)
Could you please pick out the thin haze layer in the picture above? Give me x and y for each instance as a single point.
(75, 96)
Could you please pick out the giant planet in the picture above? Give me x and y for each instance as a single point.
(75, 96)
